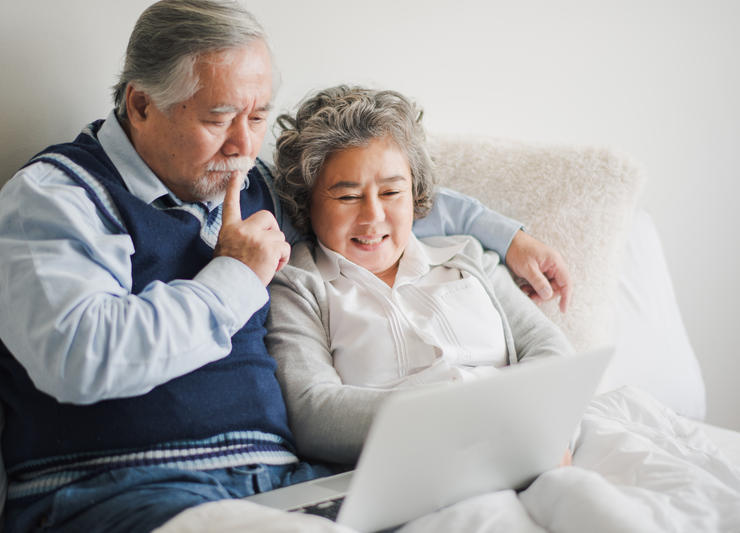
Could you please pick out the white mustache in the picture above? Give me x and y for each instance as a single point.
(242, 164)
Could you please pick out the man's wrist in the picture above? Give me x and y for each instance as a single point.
(495, 232)
(236, 286)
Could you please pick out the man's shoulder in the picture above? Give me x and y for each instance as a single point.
(69, 178)
(41, 179)
(41, 173)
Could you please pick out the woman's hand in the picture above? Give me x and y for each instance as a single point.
(567, 458)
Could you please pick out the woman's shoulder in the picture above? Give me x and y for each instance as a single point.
(303, 255)
(301, 268)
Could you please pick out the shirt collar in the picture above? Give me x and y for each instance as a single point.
(136, 174)
(417, 259)
(328, 262)
(438, 255)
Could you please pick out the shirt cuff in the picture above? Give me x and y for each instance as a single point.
(494, 231)
(236, 285)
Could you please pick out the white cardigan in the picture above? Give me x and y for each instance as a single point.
(330, 419)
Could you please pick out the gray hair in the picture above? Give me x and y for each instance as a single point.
(344, 117)
(167, 40)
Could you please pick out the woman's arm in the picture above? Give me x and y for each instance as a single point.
(330, 420)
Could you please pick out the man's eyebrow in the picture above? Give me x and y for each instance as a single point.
(227, 108)
(223, 109)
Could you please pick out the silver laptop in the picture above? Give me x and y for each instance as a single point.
(434, 446)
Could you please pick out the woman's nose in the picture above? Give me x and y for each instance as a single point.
(371, 210)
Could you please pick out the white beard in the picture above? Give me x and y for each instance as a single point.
(211, 186)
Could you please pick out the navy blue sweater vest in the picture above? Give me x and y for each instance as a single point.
(238, 392)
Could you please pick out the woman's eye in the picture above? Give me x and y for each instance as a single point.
(390, 193)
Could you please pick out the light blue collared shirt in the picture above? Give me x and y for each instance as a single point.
(66, 308)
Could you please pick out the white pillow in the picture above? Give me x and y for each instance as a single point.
(653, 351)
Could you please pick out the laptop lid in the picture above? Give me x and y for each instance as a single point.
(434, 446)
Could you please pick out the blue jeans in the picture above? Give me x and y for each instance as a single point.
(139, 499)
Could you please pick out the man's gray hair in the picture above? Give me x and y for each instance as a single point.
(167, 40)
(345, 117)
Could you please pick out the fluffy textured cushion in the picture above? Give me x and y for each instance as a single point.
(578, 199)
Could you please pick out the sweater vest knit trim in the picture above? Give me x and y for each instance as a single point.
(227, 413)
(238, 448)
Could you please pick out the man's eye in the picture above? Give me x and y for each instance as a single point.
(217, 123)
(390, 193)
(349, 197)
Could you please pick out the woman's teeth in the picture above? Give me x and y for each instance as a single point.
(376, 240)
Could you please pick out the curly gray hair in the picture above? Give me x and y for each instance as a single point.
(167, 40)
(345, 117)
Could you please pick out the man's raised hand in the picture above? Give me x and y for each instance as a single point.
(255, 241)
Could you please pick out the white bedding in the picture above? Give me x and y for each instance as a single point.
(726, 439)
(638, 467)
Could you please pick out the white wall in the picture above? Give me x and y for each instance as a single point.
(657, 79)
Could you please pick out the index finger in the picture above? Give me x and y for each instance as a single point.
(565, 290)
(232, 211)
(539, 281)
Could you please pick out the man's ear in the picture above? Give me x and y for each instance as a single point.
(138, 105)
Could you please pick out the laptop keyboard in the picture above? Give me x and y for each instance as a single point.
(326, 509)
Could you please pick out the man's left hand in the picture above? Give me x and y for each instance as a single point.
(542, 267)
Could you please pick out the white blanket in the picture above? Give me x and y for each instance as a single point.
(638, 467)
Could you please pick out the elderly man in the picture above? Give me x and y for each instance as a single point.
(133, 371)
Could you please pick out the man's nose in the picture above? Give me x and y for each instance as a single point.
(239, 140)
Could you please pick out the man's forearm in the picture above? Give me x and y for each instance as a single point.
(454, 213)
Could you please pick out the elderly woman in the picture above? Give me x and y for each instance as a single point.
(364, 307)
